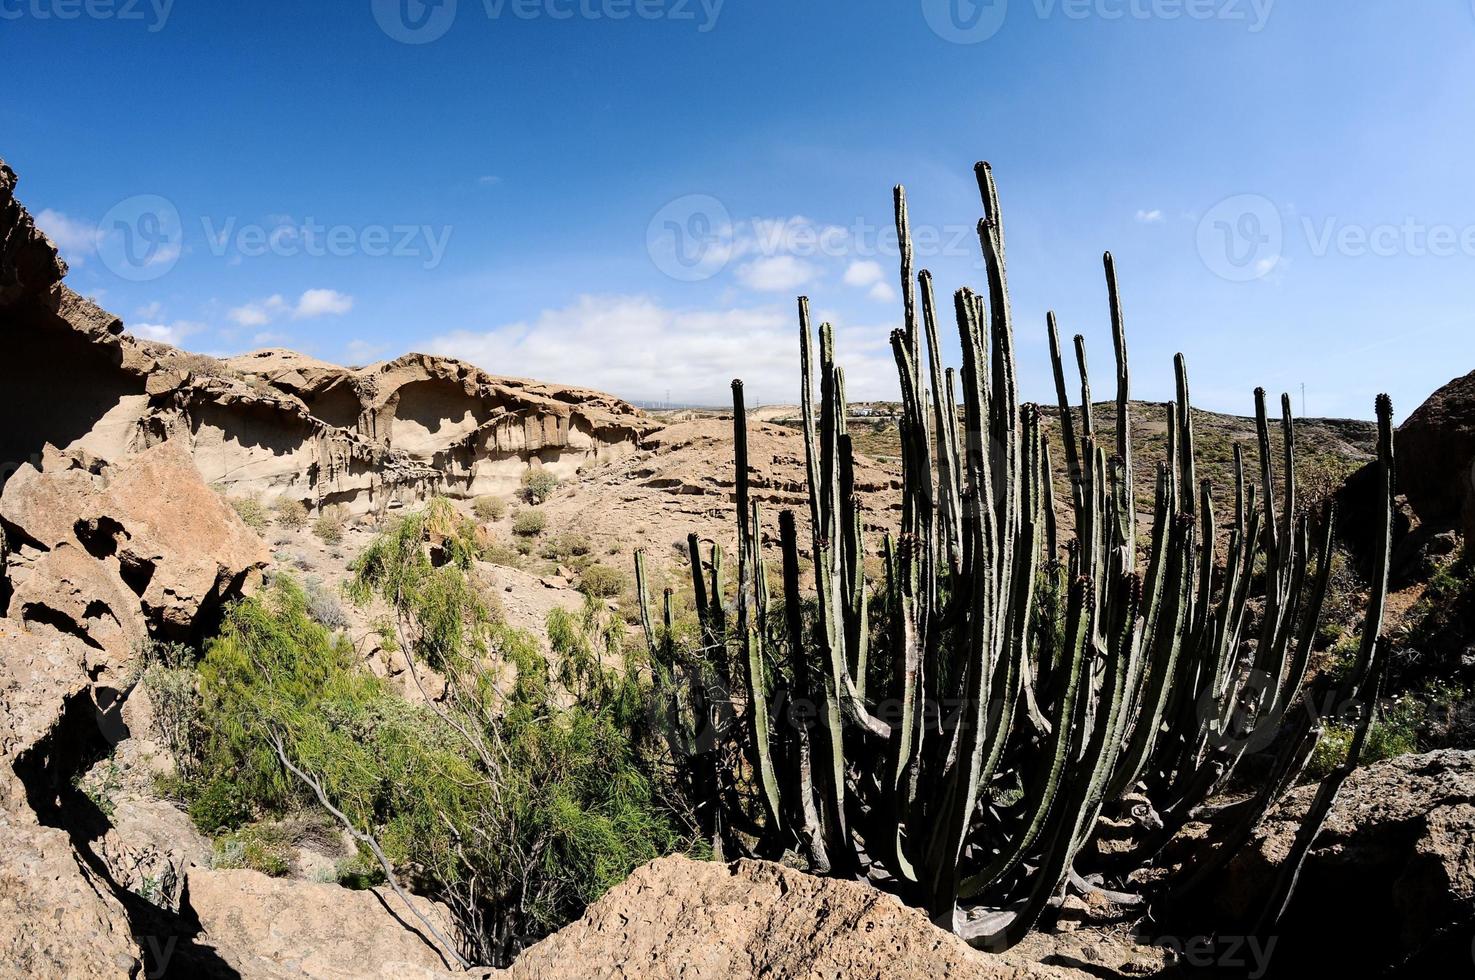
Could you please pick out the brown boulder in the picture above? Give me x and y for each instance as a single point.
(679, 918)
(1436, 448)
(111, 552)
(272, 927)
(1394, 866)
(57, 917)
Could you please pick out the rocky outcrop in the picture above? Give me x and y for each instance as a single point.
(479, 433)
(679, 918)
(119, 552)
(681, 481)
(270, 928)
(58, 916)
(273, 423)
(1436, 446)
(1390, 881)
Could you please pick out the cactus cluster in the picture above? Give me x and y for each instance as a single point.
(959, 732)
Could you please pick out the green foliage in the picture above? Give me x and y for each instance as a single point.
(176, 714)
(323, 604)
(290, 514)
(516, 804)
(538, 485)
(529, 522)
(566, 545)
(217, 804)
(329, 525)
(250, 510)
(603, 582)
(488, 509)
(259, 847)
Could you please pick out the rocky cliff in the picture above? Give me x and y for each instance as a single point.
(273, 422)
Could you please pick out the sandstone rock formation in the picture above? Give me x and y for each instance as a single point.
(118, 552)
(270, 928)
(273, 423)
(1437, 442)
(1390, 884)
(681, 481)
(678, 918)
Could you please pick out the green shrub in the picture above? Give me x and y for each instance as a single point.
(219, 805)
(290, 514)
(538, 485)
(323, 604)
(488, 509)
(518, 839)
(329, 525)
(251, 511)
(568, 544)
(176, 714)
(259, 847)
(529, 522)
(603, 582)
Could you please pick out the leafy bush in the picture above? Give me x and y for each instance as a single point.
(260, 848)
(290, 513)
(250, 510)
(219, 804)
(176, 714)
(568, 544)
(538, 485)
(323, 604)
(603, 582)
(513, 804)
(529, 523)
(329, 525)
(488, 509)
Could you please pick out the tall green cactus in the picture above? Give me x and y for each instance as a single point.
(1154, 693)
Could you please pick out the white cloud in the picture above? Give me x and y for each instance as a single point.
(149, 311)
(776, 273)
(260, 313)
(882, 292)
(489, 180)
(1153, 217)
(363, 352)
(864, 272)
(168, 333)
(322, 302)
(694, 354)
(76, 239)
(313, 303)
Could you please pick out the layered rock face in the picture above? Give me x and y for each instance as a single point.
(273, 423)
(477, 434)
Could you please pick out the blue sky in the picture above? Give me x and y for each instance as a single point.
(1286, 186)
